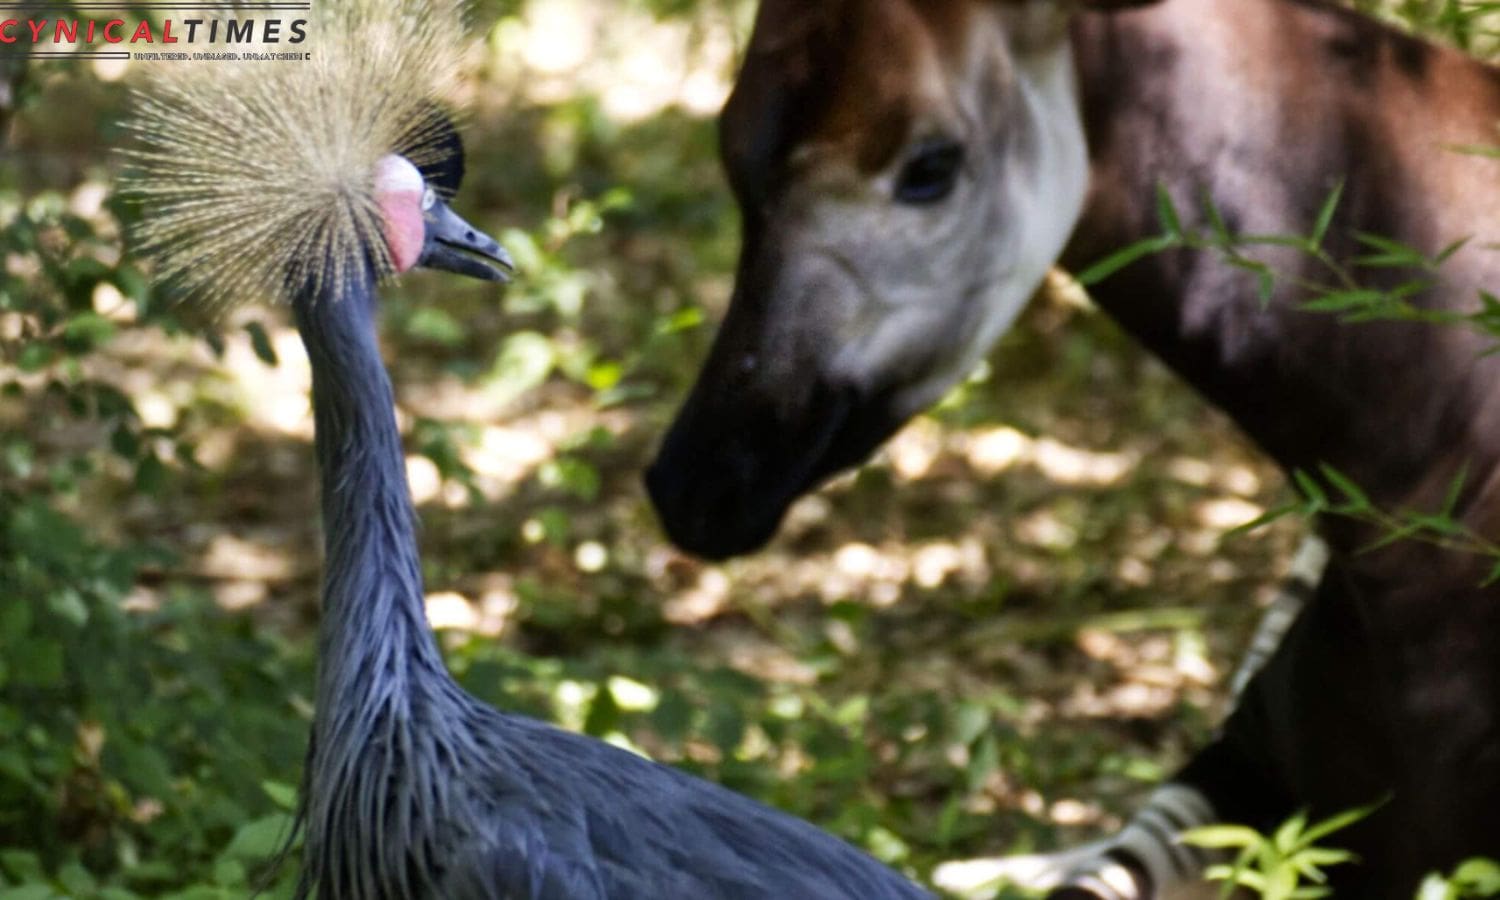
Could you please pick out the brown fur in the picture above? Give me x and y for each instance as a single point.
(1389, 682)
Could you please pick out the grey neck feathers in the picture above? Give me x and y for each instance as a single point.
(387, 711)
(375, 639)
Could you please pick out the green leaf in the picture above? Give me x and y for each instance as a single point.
(1221, 837)
(229, 873)
(685, 319)
(85, 331)
(1287, 834)
(575, 476)
(22, 865)
(1390, 253)
(283, 795)
(1493, 577)
(1166, 212)
(984, 761)
(1340, 821)
(15, 621)
(38, 663)
(260, 342)
(68, 605)
(1216, 220)
(1325, 216)
(1392, 536)
(150, 475)
(125, 442)
(1344, 301)
(526, 359)
(35, 356)
(1122, 258)
(1346, 486)
(1313, 858)
(1449, 251)
(1317, 497)
(29, 892)
(970, 721)
(1455, 490)
(261, 838)
(76, 879)
(1478, 877)
(435, 326)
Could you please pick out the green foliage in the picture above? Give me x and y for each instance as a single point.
(1469, 24)
(143, 727)
(1472, 878)
(1291, 863)
(1349, 294)
(1346, 290)
(1281, 865)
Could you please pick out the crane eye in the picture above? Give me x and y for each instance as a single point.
(931, 172)
(429, 197)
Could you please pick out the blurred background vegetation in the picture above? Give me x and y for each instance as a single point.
(993, 639)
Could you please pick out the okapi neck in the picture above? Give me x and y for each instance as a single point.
(1174, 100)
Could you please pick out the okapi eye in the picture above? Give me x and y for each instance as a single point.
(931, 172)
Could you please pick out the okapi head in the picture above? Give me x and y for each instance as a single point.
(907, 171)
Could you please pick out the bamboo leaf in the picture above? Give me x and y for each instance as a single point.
(1325, 216)
(1317, 497)
(1346, 486)
(1455, 490)
(1220, 837)
(1341, 821)
(1263, 519)
(1124, 257)
(1166, 212)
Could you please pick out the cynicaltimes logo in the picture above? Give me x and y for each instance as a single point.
(180, 31)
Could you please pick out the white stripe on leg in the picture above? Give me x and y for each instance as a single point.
(1144, 852)
(1300, 583)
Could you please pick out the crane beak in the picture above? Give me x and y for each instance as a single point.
(453, 245)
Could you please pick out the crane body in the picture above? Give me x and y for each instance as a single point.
(417, 790)
(311, 184)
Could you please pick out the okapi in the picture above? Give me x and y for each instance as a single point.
(907, 171)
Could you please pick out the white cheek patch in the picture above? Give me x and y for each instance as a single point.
(397, 175)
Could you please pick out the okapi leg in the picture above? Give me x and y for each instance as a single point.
(1311, 732)
(1298, 587)
(1144, 859)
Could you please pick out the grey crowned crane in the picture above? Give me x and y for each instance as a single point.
(311, 182)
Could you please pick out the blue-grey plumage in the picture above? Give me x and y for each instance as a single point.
(413, 788)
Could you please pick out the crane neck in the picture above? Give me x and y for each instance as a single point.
(374, 626)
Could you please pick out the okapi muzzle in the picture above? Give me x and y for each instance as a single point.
(770, 417)
(897, 217)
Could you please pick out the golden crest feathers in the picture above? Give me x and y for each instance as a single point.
(257, 174)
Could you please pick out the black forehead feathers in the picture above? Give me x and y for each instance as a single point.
(436, 149)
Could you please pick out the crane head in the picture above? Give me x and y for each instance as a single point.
(422, 231)
(278, 182)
